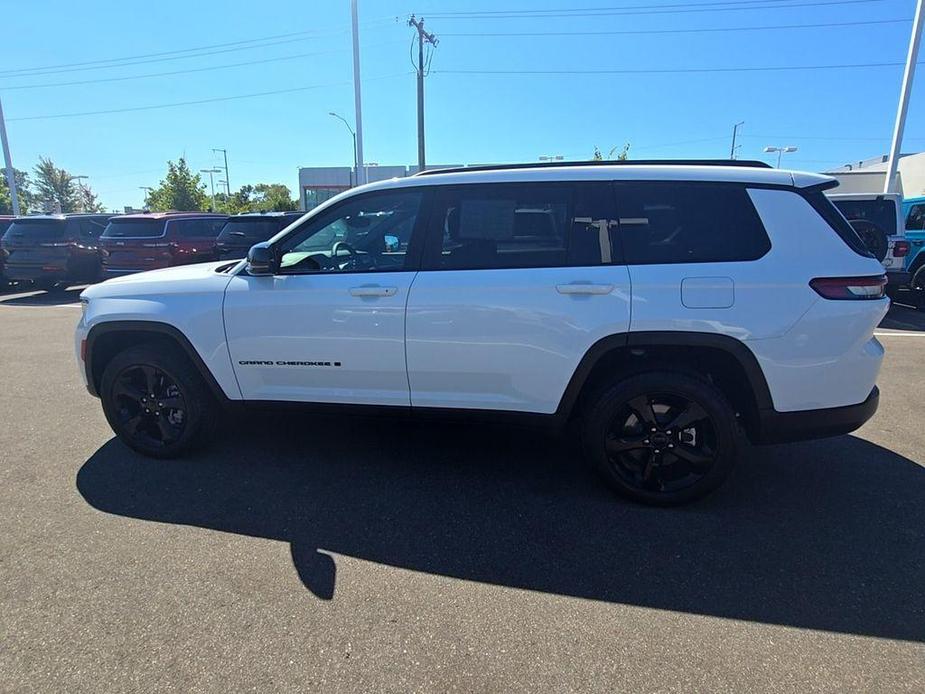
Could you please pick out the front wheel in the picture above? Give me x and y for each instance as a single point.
(155, 402)
(661, 438)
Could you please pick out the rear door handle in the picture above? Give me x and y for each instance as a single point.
(584, 288)
(373, 290)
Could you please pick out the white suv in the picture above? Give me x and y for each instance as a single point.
(666, 306)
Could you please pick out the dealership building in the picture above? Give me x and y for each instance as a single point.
(320, 183)
(868, 175)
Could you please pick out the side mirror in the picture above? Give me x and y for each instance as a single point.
(261, 260)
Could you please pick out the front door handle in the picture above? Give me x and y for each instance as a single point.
(584, 288)
(373, 290)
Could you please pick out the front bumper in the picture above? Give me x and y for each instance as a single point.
(800, 425)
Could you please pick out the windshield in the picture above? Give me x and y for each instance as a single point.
(134, 228)
(250, 230)
(38, 229)
(879, 212)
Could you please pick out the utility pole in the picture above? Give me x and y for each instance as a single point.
(423, 37)
(735, 133)
(8, 161)
(908, 76)
(227, 177)
(358, 105)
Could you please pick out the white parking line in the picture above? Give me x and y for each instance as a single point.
(899, 333)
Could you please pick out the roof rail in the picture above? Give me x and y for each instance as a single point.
(745, 163)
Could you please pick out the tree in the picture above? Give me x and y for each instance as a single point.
(180, 190)
(262, 197)
(622, 156)
(54, 188)
(23, 192)
(88, 200)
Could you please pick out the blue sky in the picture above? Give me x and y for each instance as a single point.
(832, 115)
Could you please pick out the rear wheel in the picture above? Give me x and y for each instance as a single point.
(661, 438)
(155, 401)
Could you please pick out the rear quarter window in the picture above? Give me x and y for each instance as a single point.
(677, 222)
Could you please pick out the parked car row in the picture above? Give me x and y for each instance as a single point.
(52, 251)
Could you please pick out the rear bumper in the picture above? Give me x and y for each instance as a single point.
(35, 272)
(784, 427)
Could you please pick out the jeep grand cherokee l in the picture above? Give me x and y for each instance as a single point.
(666, 306)
(138, 242)
(54, 250)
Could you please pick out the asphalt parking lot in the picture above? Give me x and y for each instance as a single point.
(329, 554)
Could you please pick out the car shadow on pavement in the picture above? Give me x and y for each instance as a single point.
(825, 535)
(36, 297)
(904, 318)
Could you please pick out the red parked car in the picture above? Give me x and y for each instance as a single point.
(54, 250)
(139, 242)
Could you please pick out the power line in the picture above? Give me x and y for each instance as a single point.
(820, 25)
(611, 12)
(670, 71)
(198, 101)
(182, 72)
(55, 69)
(548, 10)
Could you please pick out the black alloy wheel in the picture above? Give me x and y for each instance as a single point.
(663, 442)
(661, 437)
(156, 401)
(151, 406)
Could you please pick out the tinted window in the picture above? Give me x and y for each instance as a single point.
(134, 228)
(91, 229)
(252, 230)
(520, 226)
(366, 234)
(677, 222)
(915, 220)
(36, 229)
(197, 228)
(881, 213)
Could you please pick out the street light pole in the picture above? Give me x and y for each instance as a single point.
(211, 183)
(357, 99)
(8, 161)
(908, 75)
(227, 177)
(344, 121)
(80, 186)
(780, 151)
(735, 133)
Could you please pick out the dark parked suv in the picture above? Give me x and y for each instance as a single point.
(244, 230)
(5, 221)
(54, 250)
(139, 242)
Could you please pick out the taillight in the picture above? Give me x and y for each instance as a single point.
(900, 249)
(850, 288)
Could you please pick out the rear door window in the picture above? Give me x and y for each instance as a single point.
(688, 222)
(495, 226)
(915, 220)
(198, 228)
(134, 228)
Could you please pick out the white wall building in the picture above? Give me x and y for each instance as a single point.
(320, 183)
(868, 176)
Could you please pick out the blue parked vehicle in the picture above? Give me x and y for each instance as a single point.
(914, 213)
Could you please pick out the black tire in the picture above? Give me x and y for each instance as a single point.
(177, 419)
(645, 455)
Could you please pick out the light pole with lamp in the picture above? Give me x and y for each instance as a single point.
(211, 182)
(780, 151)
(227, 177)
(80, 187)
(354, 135)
